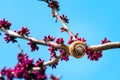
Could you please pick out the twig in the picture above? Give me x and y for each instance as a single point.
(35, 40)
(64, 24)
(109, 45)
(21, 50)
(48, 63)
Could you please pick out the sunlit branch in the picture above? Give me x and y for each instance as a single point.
(35, 40)
(109, 45)
(64, 24)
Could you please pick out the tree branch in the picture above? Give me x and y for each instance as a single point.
(37, 41)
(48, 62)
(40, 42)
(109, 45)
(64, 24)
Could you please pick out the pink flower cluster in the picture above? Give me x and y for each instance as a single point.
(64, 55)
(23, 31)
(23, 69)
(94, 55)
(48, 38)
(4, 23)
(54, 64)
(64, 18)
(53, 55)
(77, 39)
(62, 29)
(59, 41)
(105, 41)
(53, 4)
(33, 45)
(9, 38)
(52, 51)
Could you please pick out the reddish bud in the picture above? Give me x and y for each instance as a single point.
(94, 55)
(62, 29)
(33, 45)
(24, 31)
(48, 38)
(4, 23)
(9, 38)
(64, 18)
(54, 4)
(64, 55)
(60, 41)
(105, 41)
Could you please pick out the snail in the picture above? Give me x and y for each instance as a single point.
(77, 49)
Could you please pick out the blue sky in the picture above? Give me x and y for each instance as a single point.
(92, 19)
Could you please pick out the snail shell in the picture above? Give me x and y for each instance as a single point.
(77, 49)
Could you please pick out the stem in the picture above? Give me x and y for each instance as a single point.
(48, 63)
(37, 41)
(52, 61)
(109, 45)
(64, 24)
